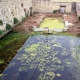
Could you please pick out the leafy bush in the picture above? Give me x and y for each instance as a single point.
(16, 20)
(79, 17)
(1, 31)
(8, 26)
(1, 22)
(54, 11)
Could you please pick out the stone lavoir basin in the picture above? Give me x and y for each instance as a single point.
(52, 23)
(46, 57)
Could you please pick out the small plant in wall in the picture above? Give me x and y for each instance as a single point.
(1, 31)
(15, 20)
(1, 22)
(79, 17)
(23, 18)
(54, 11)
(26, 14)
(8, 26)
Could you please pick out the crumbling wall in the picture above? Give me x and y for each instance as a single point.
(46, 6)
(14, 8)
(10, 9)
(78, 8)
(73, 9)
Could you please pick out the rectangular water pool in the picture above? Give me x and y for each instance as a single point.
(46, 57)
(56, 23)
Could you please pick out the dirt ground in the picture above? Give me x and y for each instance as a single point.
(27, 25)
(75, 29)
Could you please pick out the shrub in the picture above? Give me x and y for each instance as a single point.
(1, 31)
(54, 11)
(15, 21)
(8, 26)
(1, 22)
(79, 17)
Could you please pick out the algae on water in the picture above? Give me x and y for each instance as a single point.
(32, 48)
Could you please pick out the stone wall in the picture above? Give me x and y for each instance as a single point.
(78, 8)
(73, 9)
(10, 9)
(46, 6)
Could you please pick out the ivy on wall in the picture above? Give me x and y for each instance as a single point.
(15, 20)
(8, 26)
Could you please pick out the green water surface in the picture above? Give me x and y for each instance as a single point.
(52, 23)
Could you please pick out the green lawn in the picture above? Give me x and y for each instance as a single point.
(52, 23)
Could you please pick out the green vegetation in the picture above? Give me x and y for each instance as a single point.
(32, 48)
(1, 31)
(1, 22)
(11, 37)
(23, 18)
(54, 11)
(9, 46)
(8, 26)
(15, 20)
(52, 23)
(1, 61)
(26, 14)
(1, 75)
(79, 17)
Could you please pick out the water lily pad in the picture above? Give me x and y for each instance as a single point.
(50, 73)
(41, 69)
(58, 74)
(32, 48)
(68, 63)
(33, 54)
(57, 45)
(1, 75)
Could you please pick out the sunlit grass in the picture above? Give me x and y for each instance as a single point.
(52, 23)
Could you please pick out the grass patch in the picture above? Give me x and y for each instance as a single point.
(11, 37)
(9, 45)
(1, 31)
